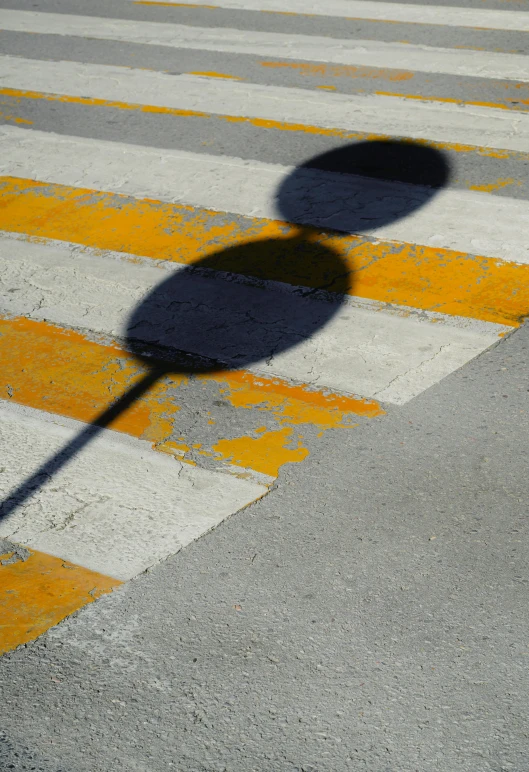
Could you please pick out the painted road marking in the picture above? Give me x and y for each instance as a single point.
(429, 278)
(116, 507)
(466, 221)
(517, 21)
(249, 426)
(477, 151)
(352, 346)
(500, 94)
(309, 75)
(481, 64)
(40, 590)
(369, 113)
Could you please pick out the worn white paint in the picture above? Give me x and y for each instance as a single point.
(117, 507)
(469, 221)
(369, 113)
(451, 16)
(360, 347)
(482, 64)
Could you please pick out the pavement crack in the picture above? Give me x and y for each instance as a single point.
(406, 373)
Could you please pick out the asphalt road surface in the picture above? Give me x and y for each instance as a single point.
(264, 274)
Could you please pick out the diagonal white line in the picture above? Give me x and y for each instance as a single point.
(483, 64)
(517, 21)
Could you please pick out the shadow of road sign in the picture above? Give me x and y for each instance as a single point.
(230, 324)
(215, 315)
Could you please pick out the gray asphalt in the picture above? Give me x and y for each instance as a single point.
(370, 613)
(268, 70)
(470, 167)
(214, 135)
(204, 16)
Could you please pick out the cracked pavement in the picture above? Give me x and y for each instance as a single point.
(263, 386)
(370, 611)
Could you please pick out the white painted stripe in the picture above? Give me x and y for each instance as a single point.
(469, 221)
(483, 64)
(368, 113)
(117, 507)
(359, 347)
(517, 21)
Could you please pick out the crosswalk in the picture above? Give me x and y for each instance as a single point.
(226, 229)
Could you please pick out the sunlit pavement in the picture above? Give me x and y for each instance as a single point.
(263, 392)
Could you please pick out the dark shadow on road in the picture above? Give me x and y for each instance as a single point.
(217, 315)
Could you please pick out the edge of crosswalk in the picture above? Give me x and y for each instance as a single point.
(483, 64)
(105, 508)
(486, 18)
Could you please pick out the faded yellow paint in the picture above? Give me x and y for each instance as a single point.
(262, 123)
(327, 88)
(174, 5)
(16, 119)
(172, 448)
(428, 278)
(295, 405)
(62, 372)
(39, 592)
(341, 70)
(508, 105)
(286, 13)
(210, 74)
(59, 370)
(394, 76)
(92, 101)
(269, 451)
(492, 186)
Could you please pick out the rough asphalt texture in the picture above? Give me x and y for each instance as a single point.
(370, 613)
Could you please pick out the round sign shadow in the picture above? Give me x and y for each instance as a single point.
(210, 317)
(198, 321)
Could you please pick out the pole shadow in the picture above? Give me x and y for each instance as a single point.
(194, 323)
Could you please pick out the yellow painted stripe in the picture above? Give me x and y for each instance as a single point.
(15, 119)
(521, 104)
(505, 101)
(261, 123)
(62, 372)
(212, 74)
(490, 187)
(39, 591)
(397, 22)
(176, 5)
(342, 70)
(428, 278)
(22, 94)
